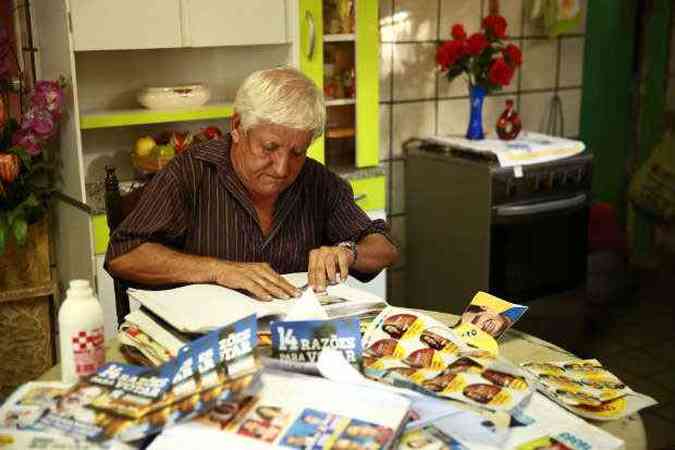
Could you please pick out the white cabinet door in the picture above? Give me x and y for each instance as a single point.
(213, 23)
(125, 24)
(377, 285)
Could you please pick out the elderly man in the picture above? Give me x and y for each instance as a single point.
(240, 211)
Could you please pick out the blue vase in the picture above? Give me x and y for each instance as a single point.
(475, 130)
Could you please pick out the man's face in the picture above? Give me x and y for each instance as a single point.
(486, 320)
(268, 158)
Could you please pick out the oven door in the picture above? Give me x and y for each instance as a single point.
(538, 248)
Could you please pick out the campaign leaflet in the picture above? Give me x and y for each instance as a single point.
(302, 341)
(491, 315)
(409, 349)
(129, 402)
(587, 389)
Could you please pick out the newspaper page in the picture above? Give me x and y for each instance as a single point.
(409, 349)
(586, 388)
(126, 402)
(298, 412)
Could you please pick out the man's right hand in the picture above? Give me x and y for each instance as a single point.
(257, 278)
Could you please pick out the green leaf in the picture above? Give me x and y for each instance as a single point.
(20, 228)
(31, 201)
(22, 154)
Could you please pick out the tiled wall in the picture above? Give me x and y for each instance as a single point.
(415, 101)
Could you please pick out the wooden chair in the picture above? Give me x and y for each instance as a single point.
(118, 207)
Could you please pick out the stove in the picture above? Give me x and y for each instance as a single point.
(472, 225)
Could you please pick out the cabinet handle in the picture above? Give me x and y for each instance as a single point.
(358, 198)
(312, 34)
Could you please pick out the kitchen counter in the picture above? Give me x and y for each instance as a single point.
(96, 191)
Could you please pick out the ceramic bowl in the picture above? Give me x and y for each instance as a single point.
(172, 97)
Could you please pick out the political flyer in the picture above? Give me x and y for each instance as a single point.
(302, 341)
(491, 315)
(126, 402)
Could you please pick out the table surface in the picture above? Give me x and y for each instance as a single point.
(515, 346)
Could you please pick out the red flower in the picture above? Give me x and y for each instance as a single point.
(448, 53)
(458, 32)
(495, 25)
(500, 73)
(476, 43)
(513, 55)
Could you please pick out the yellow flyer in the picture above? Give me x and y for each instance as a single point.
(491, 314)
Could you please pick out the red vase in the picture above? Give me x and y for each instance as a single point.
(509, 125)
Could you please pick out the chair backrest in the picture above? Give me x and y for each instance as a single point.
(118, 207)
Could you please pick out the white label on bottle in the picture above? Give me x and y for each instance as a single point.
(89, 351)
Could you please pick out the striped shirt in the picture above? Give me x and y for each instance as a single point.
(198, 205)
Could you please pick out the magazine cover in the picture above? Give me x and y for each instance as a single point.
(491, 314)
(428, 438)
(129, 402)
(302, 341)
(298, 412)
(586, 388)
(408, 349)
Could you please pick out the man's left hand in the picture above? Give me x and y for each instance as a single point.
(326, 264)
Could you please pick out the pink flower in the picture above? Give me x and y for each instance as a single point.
(48, 95)
(40, 122)
(27, 140)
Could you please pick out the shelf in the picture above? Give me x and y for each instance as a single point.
(338, 37)
(142, 116)
(340, 101)
(340, 133)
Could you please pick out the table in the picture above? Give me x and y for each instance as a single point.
(516, 346)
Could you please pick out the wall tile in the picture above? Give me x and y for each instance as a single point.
(466, 12)
(572, 61)
(534, 110)
(420, 20)
(396, 181)
(414, 71)
(453, 116)
(512, 11)
(385, 135)
(571, 102)
(412, 120)
(398, 231)
(396, 293)
(386, 55)
(539, 63)
(455, 88)
(386, 10)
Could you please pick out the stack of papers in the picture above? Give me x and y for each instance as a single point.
(528, 148)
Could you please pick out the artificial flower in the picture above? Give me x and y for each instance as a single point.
(500, 72)
(476, 43)
(458, 33)
(495, 26)
(449, 53)
(513, 55)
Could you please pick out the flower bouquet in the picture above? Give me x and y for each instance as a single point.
(23, 166)
(485, 59)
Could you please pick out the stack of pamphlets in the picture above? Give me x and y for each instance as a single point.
(587, 389)
(168, 319)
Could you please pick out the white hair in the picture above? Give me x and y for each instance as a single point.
(281, 96)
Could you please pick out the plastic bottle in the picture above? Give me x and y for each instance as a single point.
(81, 332)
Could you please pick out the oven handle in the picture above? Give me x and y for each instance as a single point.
(537, 208)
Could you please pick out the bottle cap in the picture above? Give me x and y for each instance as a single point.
(79, 288)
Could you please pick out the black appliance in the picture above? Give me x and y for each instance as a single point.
(473, 225)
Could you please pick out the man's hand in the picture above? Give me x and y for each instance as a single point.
(257, 278)
(326, 264)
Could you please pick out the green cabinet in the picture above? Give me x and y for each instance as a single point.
(339, 50)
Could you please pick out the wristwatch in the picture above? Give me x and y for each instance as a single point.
(350, 245)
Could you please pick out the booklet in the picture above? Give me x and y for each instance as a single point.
(587, 389)
(296, 411)
(409, 349)
(126, 402)
(219, 306)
